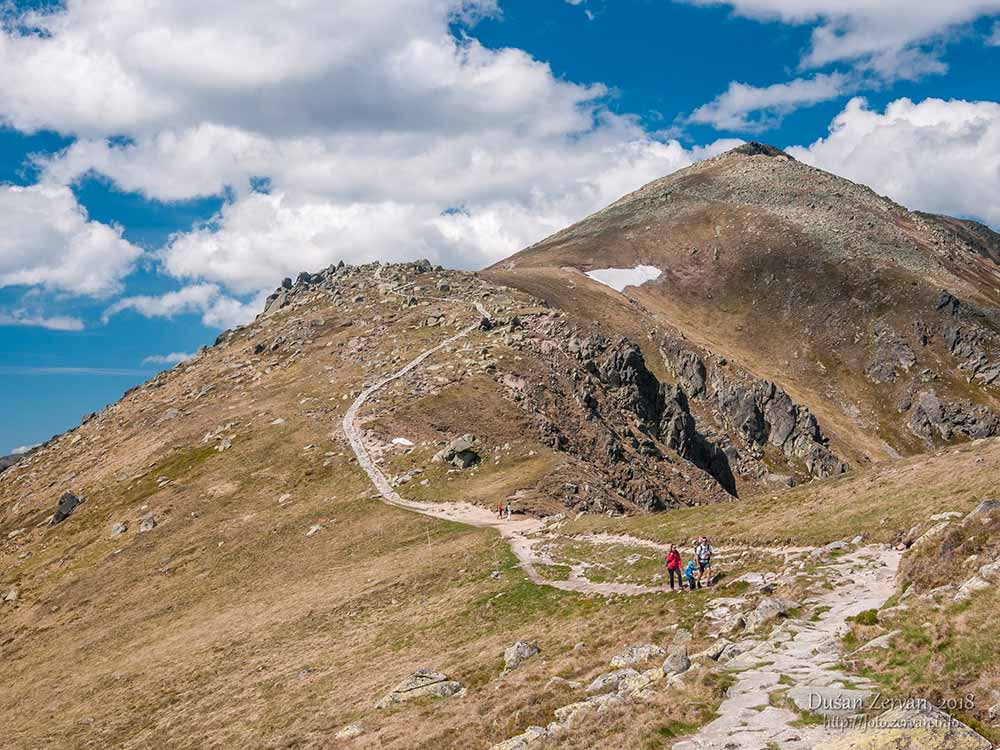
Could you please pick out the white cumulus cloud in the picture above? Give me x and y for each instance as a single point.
(381, 133)
(933, 155)
(167, 359)
(47, 239)
(755, 108)
(885, 34)
(217, 309)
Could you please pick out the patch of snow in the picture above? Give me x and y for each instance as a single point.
(619, 278)
(402, 441)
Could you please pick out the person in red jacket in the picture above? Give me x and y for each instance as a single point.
(674, 567)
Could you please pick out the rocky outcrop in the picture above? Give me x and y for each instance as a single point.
(424, 683)
(890, 354)
(756, 410)
(932, 417)
(680, 433)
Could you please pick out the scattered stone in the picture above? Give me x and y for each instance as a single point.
(767, 610)
(682, 636)
(949, 515)
(421, 684)
(314, 529)
(637, 654)
(118, 529)
(517, 654)
(224, 444)
(883, 641)
(67, 504)
(714, 651)
(10, 597)
(677, 660)
(350, 732)
(609, 680)
(147, 524)
(932, 532)
(528, 737)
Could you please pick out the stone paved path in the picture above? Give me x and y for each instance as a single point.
(801, 658)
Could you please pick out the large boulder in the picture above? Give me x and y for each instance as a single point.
(983, 510)
(424, 683)
(459, 452)
(610, 680)
(768, 609)
(66, 505)
(677, 660)
(517, 654)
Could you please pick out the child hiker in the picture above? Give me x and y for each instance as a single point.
(690, 572)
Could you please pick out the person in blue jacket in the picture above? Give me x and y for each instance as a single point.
(690, 572)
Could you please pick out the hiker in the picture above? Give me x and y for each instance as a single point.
(703, 554)
(500, 510)
(508, 510)
(689, 572)
(674, 567)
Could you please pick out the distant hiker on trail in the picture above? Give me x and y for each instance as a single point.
(507, 510)
(690, 572)
(674, 567)
(703, 554)
(500, 510)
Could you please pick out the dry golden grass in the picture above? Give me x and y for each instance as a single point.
(226, 625)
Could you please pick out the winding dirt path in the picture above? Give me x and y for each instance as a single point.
(518, 533)
(797, 662)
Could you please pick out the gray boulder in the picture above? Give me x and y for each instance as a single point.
(677, 660)
(424, 683)
(147, 524)
(768, 609)
(610, 680)
(985, 508)
(65, 507)
(118, 529)
(517, 654)
(459, 452)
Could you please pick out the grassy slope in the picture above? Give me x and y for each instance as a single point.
(228, 626)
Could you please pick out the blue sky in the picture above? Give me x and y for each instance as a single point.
(162, 169)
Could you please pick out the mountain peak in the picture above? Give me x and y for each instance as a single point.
(755, 148)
